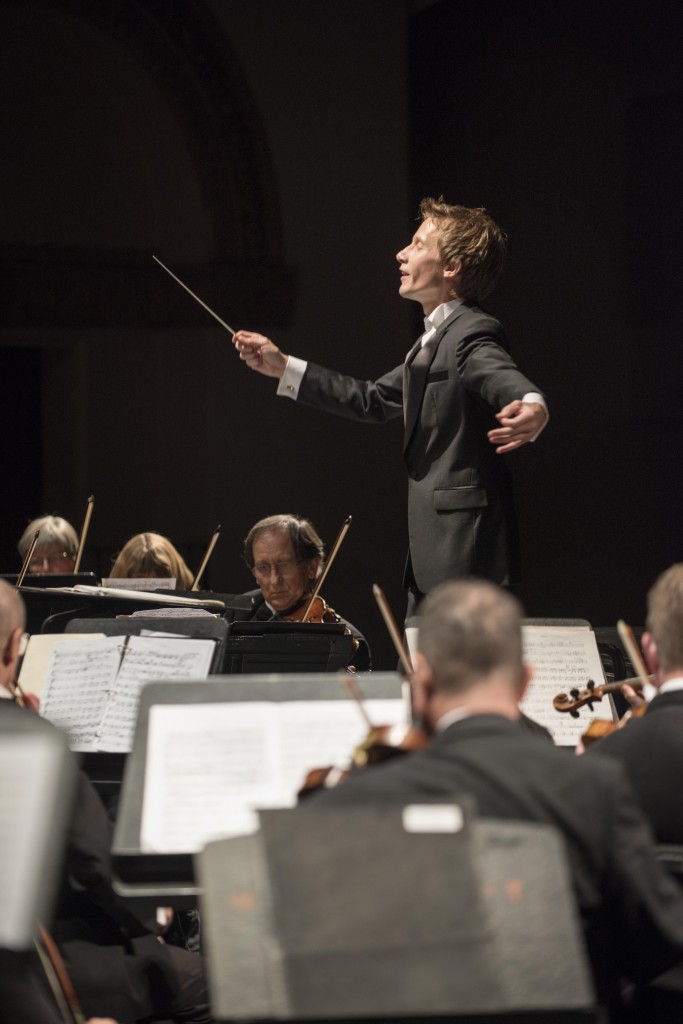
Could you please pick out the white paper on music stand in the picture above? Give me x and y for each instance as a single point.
(36, 663)
(29, 768)
(142, 583)
(93, 689)
(563, 657)
(209, 766)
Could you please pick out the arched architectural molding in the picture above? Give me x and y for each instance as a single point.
(184, 51)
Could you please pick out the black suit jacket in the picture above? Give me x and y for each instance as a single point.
(461, 519)
(631, 910)
(651, 750)
(117, 965)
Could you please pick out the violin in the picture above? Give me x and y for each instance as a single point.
(316, 609)
(382, 742)
(599, 729)
(313, 610)
(592, 692)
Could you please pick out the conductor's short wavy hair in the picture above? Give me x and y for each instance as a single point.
(53, 530)
(150, 554)
(306, 542)
(470, 235)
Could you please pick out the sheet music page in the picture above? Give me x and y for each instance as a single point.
(208, 766)
(145, 659)
(312, 737)
(563, 657)
(141, 583)
(27, 766)
(80, 678)
(36, 663)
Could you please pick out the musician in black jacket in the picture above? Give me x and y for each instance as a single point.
(117, 965)
(650, 748)
(469, 678)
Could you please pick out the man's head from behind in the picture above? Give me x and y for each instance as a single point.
(470, 237)
(469, 650)
(663, 642)
(12, 618)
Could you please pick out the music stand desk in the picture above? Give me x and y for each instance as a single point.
(155, 875)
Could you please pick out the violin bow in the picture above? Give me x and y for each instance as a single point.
(207, 555)
(629, 641)
(195, 297)
(58, 978)
(390, 623)
(333, 554)
(354, 693)
(27, 560)
(84, 532)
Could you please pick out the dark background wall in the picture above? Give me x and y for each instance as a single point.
(274, 153)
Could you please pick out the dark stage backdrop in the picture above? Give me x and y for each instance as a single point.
(564, 120)
(281, 180)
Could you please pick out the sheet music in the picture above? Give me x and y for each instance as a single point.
(152, 599)
(38, 655)
(81, 676)
(93, 688)
(563, 657)
(209, 766)
(149, 658)
(28, 768)
(143, 583)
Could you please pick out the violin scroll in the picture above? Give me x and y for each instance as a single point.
(576, 698)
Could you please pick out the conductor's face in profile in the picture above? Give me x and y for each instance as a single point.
(284, 580)
(424, 278)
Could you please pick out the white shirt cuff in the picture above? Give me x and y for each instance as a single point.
(290, 381)
(533, 396)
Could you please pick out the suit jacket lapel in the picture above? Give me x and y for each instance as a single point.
(415, 371)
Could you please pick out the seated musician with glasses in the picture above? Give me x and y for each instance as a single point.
(55, 552)
(287, 556)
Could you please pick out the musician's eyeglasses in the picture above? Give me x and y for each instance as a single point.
(263, 570)
(39, 562)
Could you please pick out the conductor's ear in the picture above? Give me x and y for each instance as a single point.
(453, 271)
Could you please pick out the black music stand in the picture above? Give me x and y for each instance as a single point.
(345, 914)
(281, 646)
(153, 876)
(48, 610)
(51, 579)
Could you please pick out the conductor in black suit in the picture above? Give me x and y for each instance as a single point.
(463, 400)
(469, 678)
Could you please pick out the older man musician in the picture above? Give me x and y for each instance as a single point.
(286, 557)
